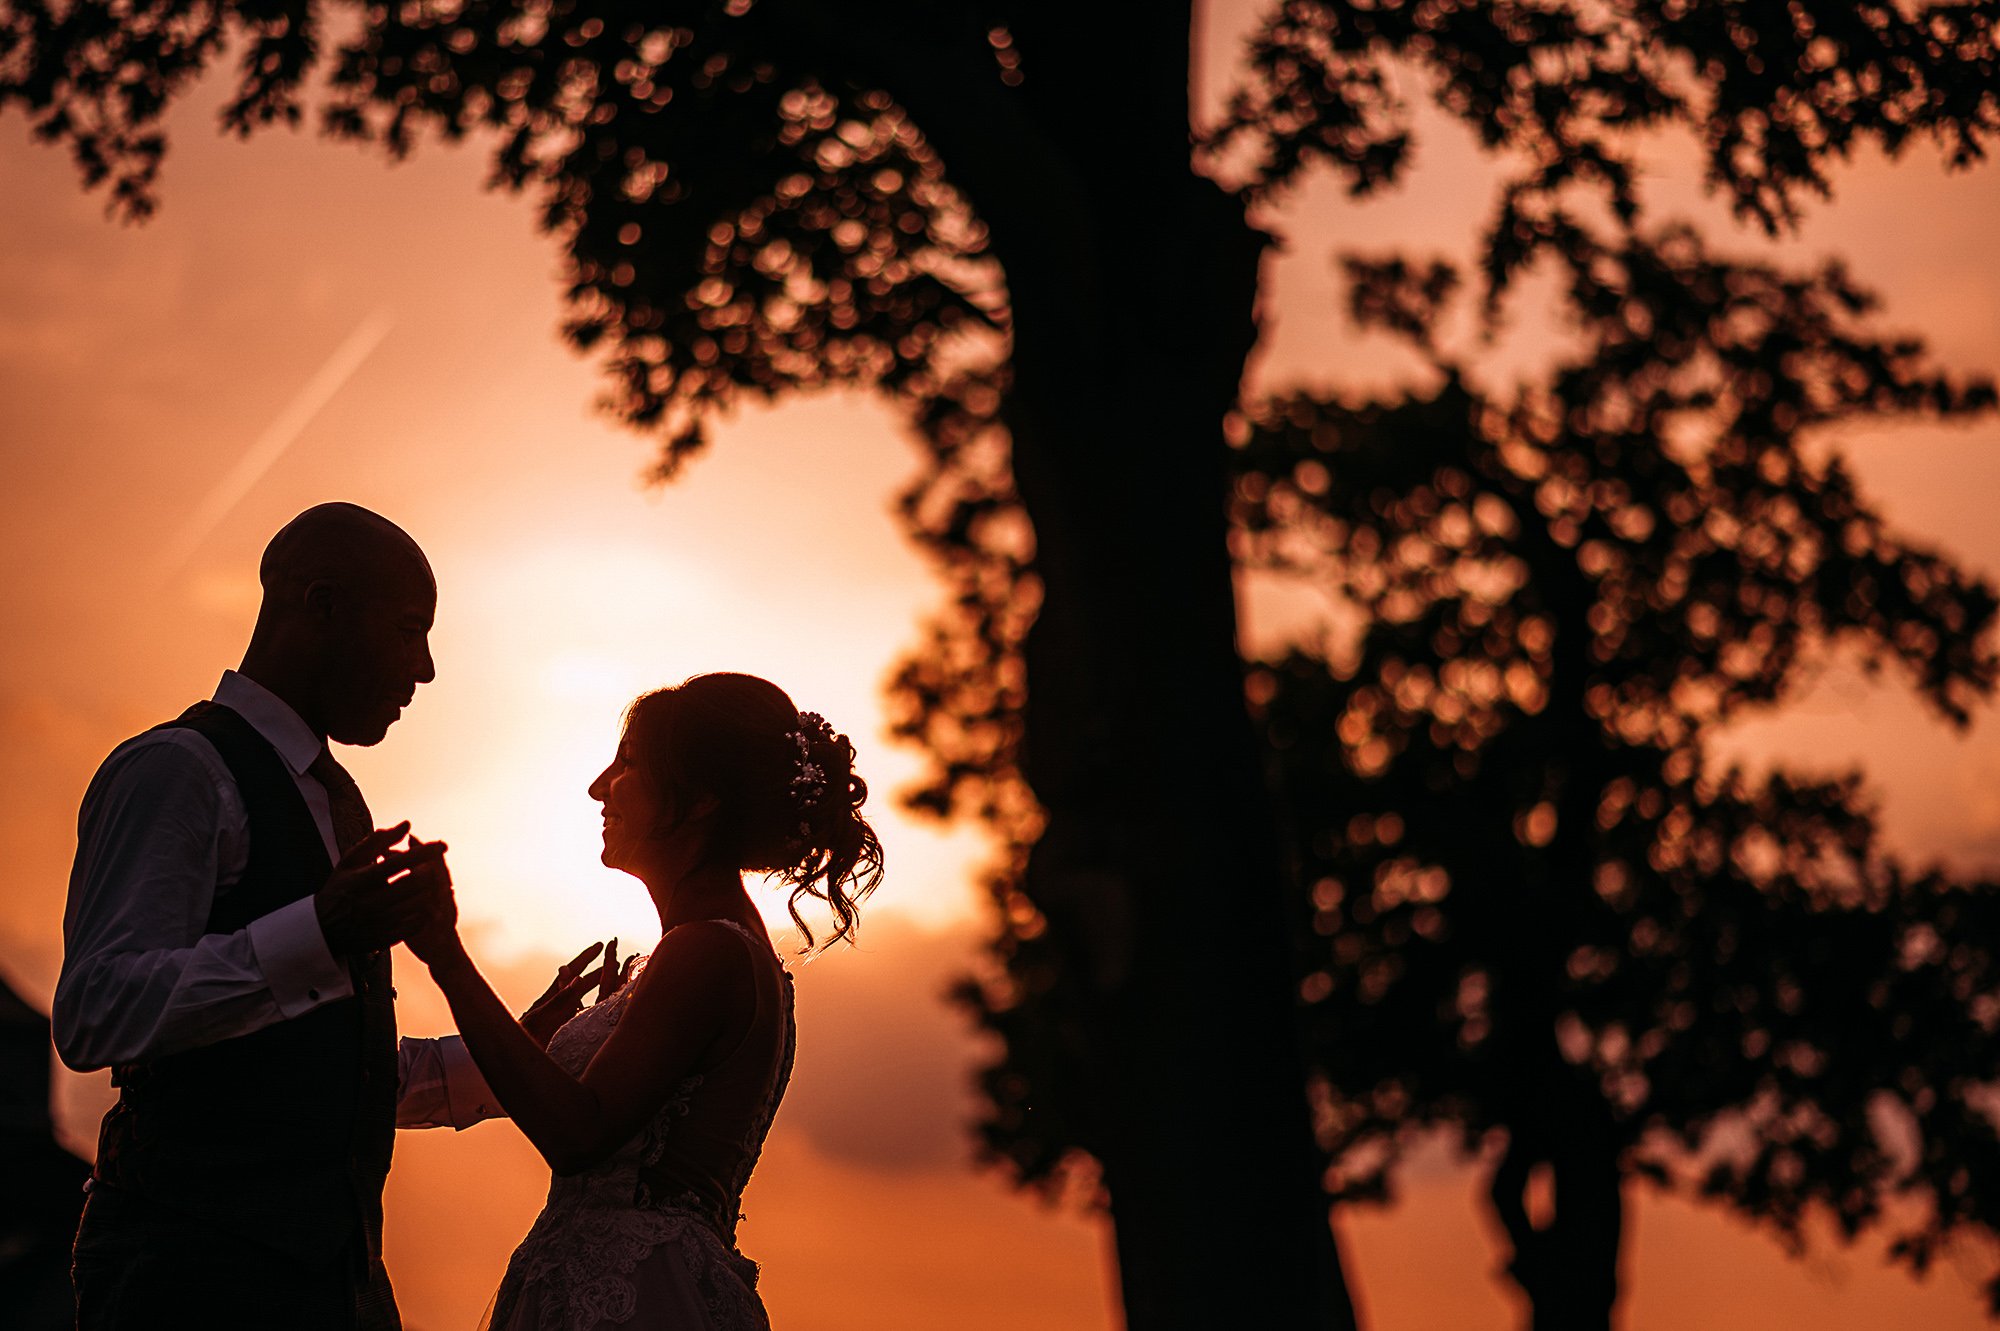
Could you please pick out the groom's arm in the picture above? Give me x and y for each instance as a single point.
(439, 1086)
(160, 828)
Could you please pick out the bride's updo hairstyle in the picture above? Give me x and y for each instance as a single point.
(788, 800)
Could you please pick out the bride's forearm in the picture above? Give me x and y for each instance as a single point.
(556, 1112)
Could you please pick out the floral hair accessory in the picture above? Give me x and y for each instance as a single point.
(808, 784)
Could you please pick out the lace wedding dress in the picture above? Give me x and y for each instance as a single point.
(646, 1239)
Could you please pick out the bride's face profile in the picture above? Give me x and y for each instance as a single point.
(632, 811)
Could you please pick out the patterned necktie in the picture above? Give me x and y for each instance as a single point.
(374, 1301)
(351, 819)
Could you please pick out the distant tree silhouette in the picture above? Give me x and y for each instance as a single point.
(993, 213)
(1539, 909)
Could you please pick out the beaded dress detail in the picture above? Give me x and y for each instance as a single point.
(647, 1237)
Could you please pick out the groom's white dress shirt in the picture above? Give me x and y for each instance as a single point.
(160, 835)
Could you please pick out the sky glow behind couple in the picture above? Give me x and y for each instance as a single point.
(139, 367)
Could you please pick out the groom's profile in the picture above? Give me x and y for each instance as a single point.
(226, 955)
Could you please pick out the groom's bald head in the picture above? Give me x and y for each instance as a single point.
(343, 543)
(342, 634)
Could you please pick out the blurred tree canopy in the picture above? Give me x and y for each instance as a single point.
(1536, 901)
(1005, 217)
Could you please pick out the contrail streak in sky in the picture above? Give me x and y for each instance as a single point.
(280, 435)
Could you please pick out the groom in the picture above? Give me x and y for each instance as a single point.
(226, 954)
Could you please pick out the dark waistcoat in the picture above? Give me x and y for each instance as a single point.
(281, 1136)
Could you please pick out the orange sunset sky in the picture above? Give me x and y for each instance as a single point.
(304, 321)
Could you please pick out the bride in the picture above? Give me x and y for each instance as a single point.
(652, 1105)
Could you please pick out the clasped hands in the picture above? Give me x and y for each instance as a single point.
(378, 896)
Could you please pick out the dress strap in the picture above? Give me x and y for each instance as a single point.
(748, 937)
(757, 946)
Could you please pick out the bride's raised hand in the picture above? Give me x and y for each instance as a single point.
(563, 998)
(615, 975)
(435, 941)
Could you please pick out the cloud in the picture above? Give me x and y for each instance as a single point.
(883, 1074)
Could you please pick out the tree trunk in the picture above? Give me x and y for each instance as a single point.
(1133, 284)
(1557, 1117)
(1568, 1264)
(1158, 856)
(1134, 314)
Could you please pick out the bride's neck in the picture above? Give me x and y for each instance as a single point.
(706, 891)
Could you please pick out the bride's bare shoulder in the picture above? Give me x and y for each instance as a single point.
(700, 960)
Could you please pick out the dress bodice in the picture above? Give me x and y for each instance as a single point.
(698, 1150)
(679, 1182)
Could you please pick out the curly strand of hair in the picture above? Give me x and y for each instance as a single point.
(842, 860)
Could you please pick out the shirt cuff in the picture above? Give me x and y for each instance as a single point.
(293, 955)
(468, 1099)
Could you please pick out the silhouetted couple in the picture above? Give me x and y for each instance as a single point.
(227, 942)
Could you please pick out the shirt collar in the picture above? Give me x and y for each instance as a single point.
(270, 716)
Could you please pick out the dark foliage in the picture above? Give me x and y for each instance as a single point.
(736, 216)
(1536, 902)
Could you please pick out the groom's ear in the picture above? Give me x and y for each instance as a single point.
(704, 807)
(317, 601)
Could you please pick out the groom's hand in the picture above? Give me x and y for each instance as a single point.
(375, 897)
